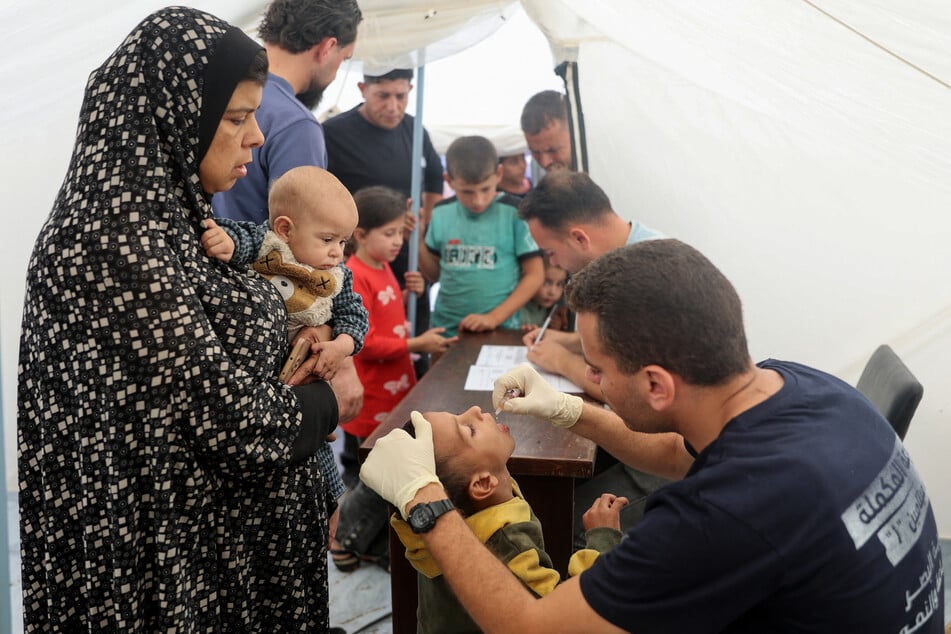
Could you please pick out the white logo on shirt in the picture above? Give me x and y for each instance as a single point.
(893, 507)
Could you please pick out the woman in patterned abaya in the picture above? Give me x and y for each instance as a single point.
(167, 479)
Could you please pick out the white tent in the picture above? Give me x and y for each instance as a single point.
(804, 146)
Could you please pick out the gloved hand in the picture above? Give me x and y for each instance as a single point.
(538, 398)
(399, 465)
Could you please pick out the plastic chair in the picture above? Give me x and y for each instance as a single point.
(892, 388)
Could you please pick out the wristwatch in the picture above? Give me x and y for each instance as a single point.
(422, 517)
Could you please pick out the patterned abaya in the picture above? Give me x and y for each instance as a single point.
(167, 479)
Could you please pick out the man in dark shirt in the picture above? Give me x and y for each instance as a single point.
(797, 508)
(372, 144)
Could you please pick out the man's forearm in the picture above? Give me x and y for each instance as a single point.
(660, 454)
(483, 584)
(574, 368)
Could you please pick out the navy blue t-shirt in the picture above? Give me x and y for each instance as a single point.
(804, 515)
(361, 155)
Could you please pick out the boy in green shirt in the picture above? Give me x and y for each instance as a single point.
(477, 248)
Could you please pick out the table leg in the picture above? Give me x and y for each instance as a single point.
(402, 588)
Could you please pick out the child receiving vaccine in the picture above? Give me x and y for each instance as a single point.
(471, 451)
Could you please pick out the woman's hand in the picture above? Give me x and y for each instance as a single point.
(348, 390)
(300, 364)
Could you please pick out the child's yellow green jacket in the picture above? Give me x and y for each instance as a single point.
(514, 534)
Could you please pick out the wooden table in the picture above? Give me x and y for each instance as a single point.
(546, 461)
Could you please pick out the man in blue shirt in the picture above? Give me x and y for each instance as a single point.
(571, 219)
(306, 43)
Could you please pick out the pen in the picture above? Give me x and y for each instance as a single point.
(547, 321)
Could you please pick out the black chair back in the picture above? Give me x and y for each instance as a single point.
(892, 388)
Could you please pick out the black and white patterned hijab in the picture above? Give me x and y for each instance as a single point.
(147, 397)
(151, 110)
(120, 257)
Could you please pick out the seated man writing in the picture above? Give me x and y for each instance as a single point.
(471, 451)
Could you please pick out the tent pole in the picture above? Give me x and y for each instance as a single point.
(417, 180)
(568, 71)
(6, 613)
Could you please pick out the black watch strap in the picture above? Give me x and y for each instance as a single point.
(422, 517)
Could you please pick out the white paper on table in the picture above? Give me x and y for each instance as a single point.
(497, 356)
(495, 361)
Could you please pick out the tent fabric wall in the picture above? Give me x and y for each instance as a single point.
(55, 45)
(393, 32)
(804, 146)
(810, 164)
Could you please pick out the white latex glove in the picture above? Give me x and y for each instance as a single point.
(399, 465)
(538, 399)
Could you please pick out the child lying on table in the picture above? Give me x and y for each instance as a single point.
(471, 451)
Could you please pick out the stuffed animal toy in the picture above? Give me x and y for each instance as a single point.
(308, 292)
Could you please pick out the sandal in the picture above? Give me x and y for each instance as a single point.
(345, 560)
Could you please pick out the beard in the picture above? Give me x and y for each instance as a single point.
(311, 96)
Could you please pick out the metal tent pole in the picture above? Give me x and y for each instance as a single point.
(416, 184)
(6, 613)
(568, 71)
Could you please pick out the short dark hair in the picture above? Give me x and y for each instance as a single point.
(543, 108)
(456, 483)
(564, 197)
(297, 25)
(378, 205)
(399, 73)
(662, 302)
(471, 159)
(453, 480)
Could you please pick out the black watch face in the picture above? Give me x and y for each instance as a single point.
(421, 517)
